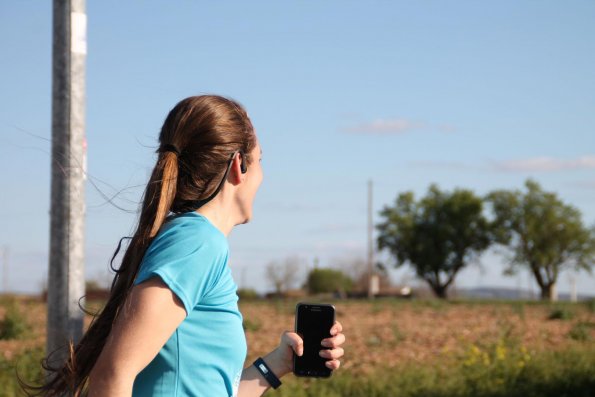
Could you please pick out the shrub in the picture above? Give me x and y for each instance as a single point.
(251, 325)
(561, 313)
(28, 367)
(247, 294)
(328, 280)
(581, 331)
(14, 325)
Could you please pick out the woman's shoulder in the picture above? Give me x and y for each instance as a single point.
(195, 223)
(190, 230)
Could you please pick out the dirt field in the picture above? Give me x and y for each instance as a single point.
(386, 332)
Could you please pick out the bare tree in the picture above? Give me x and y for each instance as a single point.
(283, 275)
(357, 269)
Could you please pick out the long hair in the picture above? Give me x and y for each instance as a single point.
(204, 131)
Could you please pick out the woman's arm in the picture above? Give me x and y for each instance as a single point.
(280, 360)
(253, 383)
(148, 318)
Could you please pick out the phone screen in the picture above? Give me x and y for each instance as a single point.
(313, 323)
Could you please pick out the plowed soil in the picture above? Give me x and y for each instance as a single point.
(383, 332)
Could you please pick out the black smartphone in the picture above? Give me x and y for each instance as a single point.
(313, 323)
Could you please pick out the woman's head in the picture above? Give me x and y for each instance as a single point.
(203, 141)
(205, 131)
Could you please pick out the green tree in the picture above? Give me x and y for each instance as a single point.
(437, 236)
(544, 234)
(328, 280)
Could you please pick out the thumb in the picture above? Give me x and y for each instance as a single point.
(294, 341)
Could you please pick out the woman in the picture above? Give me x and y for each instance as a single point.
(171, 326)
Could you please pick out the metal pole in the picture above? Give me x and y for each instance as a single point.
(573, 294)
(5, 269)
(370, 244)
(243, 278)
(66, 281)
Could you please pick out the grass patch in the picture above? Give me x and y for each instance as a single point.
(519, 309)
(590, 304)
(248, 294)
(581, 331)
(377, 306)
(561, 313)
(496, 371)
(28, 365)
(503, 369)
(14, 324)
(373, 341)
(398, 335)
(251, 325)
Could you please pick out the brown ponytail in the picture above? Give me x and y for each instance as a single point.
(205, 130)
(168, 190)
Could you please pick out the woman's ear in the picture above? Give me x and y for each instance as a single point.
(235, 173)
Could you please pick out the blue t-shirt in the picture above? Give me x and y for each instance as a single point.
(205, 354)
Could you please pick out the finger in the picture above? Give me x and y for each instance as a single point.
(336, 328)
(333, 364)
(294, 341)
(332, 354)
(333, 342)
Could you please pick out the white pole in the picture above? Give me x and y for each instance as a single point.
(66, 281)
(5, 269)
(372, 280)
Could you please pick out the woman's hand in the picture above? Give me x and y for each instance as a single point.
(281, 359)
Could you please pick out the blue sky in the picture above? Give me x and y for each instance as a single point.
(462, 94)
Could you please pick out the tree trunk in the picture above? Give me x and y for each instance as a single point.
(549, 292)
(440, 291)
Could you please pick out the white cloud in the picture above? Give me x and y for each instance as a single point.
(452, 165)
(546, 164)
(380, 126)
(395, 126)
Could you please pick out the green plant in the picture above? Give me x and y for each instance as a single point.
(251, 325)
(373, 340)
(498, 370)
(561, 313)
(398, 335)
(581, 331)
(27, 365)
(590, 305)
(377, 307)
(519, 309)
(14, 325)
(328, 280)
(247, 294)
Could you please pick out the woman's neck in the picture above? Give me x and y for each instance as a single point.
(219, 215)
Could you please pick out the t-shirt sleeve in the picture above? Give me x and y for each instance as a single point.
(188, 261)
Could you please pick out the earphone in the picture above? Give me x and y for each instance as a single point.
(243, 167)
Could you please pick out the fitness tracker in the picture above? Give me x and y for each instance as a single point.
(265, 371)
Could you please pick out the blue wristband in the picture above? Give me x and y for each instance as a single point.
(265, 371)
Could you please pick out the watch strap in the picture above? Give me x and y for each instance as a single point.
(266, 372)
